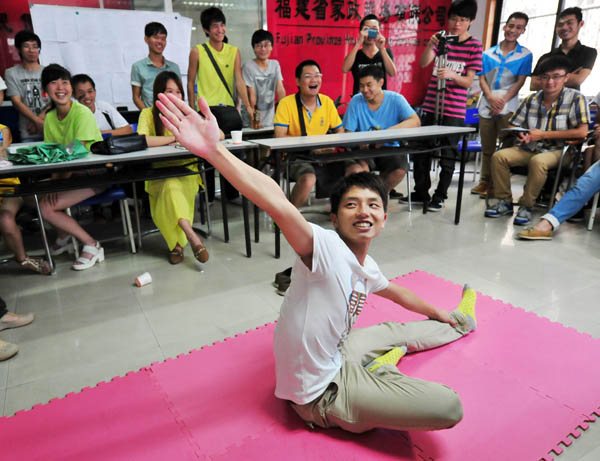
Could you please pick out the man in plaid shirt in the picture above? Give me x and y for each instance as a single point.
(550, 117)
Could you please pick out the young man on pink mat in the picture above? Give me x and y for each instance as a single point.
(334, 376)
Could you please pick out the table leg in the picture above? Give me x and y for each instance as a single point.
(224, 208)
(44, 237)
(256, 163)
(277, 177)
(137, 216)
(461, 179)
(246, 226)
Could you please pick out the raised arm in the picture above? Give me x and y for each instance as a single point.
(428, 54)
(200, 136)
(388, 62)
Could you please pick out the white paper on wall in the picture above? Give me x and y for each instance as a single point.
(105, 43)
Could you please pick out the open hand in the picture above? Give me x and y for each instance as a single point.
(199, 135)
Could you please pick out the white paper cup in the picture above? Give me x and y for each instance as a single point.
(236, 136)
(143, 279)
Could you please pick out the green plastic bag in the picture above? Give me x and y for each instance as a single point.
(48, 152)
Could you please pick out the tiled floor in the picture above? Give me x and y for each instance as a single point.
(95, 324)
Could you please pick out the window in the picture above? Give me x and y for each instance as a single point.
(540, 31)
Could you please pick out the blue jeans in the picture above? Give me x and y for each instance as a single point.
(576, 197)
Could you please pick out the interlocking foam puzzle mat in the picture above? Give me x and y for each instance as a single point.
(527, 384)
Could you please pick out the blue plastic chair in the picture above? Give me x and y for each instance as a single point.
(472, 118)
(110, 195)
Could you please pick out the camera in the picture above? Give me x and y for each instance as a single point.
(372, 33)
(445, 38)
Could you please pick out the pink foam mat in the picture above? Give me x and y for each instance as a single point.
(526, 384)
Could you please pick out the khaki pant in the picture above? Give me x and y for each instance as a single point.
(490, 130)
(538, 165)
(358, 400)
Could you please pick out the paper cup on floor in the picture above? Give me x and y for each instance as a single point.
(143, 279)
(236, 136)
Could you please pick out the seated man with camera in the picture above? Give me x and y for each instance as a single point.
(548, 119)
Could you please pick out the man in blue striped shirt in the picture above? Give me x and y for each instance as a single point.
(547, 119)
(505, 68)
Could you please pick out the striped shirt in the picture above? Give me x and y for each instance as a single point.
(568, 111)
(462, 57)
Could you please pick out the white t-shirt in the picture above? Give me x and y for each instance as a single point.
(318, 311)
(2, 84)
(105, 108)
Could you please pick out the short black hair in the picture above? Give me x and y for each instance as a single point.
(368, 17)
(210, 15)
(574, 10)
(260, 36)
(26, 36)
(463, 8)
(303, 64)
(363, 180)
(54, 72)
(82, 78)
(554, 62)
(371, 71)
(518, 15)
(153, 28)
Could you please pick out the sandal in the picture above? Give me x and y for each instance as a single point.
(36, 265)
(176, 255)
(97, 253)
(200, 253)
(61, 245)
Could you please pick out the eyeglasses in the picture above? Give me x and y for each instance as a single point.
(554, 77)
(309, 76)
(458, 19)
(31, 47)
(263, 45)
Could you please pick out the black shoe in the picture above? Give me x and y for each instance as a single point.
(435, 205)
(395, 195)
(414, 199)
(578, 217)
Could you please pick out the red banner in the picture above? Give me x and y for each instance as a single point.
(326, 31)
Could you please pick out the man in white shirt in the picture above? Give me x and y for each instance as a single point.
(107, 117)
(334, 376)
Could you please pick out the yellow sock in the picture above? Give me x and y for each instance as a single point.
(467, 304)
(392, 357)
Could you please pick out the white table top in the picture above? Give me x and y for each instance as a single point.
(152, 154)
(360, 137)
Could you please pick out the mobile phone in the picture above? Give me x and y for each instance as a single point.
(372, 33)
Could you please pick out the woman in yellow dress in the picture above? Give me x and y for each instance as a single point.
(171, 199)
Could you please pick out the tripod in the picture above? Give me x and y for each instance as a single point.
(441, 82)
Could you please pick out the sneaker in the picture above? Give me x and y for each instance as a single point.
(501, 208)
(7, 350)
(282, 281)
(480, 189)
(534, 234)
(523, 216)
(10, 320)
(414, 199)
(435, 205)
(578, 217)
(395, 195)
